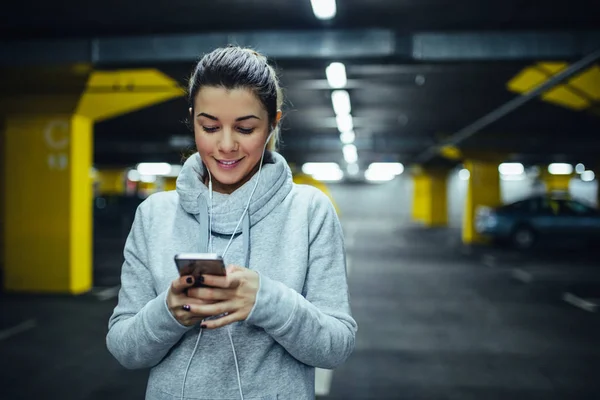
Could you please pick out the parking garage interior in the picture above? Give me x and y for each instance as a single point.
(458, 141)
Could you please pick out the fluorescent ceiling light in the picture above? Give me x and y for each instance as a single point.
(464, 174)
(336, 75)
(312, 168)
(133, 175)
(341, 102)
(580, 168)
(560, 169)
(511, 169)
(154, 168)
(353, 169)
(588, 176)
(374, 175)
(387, 168)
(329, 176)
(344, 122)
(350, 153)
(323, 9)
(348, 137)
(512, 177)
(148, 178)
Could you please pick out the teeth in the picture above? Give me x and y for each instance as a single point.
(228, 162)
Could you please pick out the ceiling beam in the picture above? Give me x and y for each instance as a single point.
(317, 44)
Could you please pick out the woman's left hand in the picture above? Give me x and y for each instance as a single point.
(234, 294)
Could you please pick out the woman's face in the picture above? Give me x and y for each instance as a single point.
(230, 127)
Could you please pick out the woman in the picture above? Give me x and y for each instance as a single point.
(283, 307)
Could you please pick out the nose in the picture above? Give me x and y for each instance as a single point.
(227, 141)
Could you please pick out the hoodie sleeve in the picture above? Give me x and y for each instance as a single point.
(141, 329)
(316, 327)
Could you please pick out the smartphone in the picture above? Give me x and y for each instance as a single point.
(196, 264)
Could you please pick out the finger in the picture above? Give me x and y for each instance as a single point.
(220, 322)
(209, 309)
(212, 294)
(216, 281)
(180, 284)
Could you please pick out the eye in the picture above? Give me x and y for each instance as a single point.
(210, 129)
(245, 131)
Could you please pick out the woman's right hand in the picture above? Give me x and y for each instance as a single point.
(181, 305)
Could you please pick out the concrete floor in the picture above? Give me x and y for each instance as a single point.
(436, 321)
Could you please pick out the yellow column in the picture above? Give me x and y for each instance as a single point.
(47, 181)
(170, 183)
(555, 183)
(483, 190)
(430, 205)
(48, 213)
(111, 181)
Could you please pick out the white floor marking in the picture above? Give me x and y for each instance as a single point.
(108, 293)
(522, 275)
(15, 330)
(585, 304)
(322, 381)
(488, 260)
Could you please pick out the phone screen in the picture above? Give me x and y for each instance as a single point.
(196, 267)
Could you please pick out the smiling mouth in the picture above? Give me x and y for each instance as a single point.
(228, 163)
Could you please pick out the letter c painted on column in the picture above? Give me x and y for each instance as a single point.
(54, 139)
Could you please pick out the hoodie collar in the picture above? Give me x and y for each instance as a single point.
(274, 185)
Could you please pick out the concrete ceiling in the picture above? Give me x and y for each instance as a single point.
(418, 70)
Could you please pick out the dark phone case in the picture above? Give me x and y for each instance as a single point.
(196, 268)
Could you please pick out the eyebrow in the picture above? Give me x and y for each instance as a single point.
(237, 119)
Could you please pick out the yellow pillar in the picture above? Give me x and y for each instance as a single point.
(483, 190)
(47, 179)
(111, 181)
(555, 183)
(48, 213)
(430, 205)
(170, 183)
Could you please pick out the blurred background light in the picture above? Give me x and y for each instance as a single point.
(336, 75)
(560, 169)
(324, 9)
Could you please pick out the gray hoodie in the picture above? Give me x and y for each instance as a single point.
(301, 320)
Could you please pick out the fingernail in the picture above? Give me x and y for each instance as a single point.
(203, 326)
(189, 280)
(186, 307)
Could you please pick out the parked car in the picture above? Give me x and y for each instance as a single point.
(525, 222)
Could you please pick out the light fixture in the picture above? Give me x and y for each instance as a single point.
(588, 176)
(580, 168)
(329, 176)
(378, 176)
(511, 169)
(323, 9)
(344, 122)
(133, 175)
(347, 137)
(350, 153)
(154, 168)
(311, 168)
(560, 169)
(341, 102)
(336, 75)
(387, 168)
(353, 169)
(148, 178)
(464, 174)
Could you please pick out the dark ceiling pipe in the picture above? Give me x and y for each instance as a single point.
(470, 130)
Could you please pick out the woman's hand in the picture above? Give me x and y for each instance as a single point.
(234, 294)
(180, 304)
